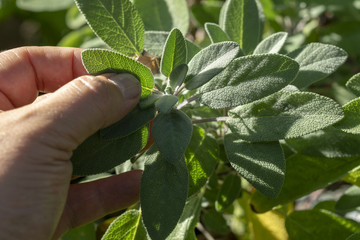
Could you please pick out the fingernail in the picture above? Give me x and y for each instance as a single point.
(130, 87)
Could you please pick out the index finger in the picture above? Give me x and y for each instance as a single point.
(26, 71)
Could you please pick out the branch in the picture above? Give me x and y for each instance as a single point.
(189, 100)
(217, 119)
(178, 91)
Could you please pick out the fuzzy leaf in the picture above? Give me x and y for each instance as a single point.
(155, 42)
(209, 62)
(192, 50)
(166, 103)
(164, 15)
(229, 192)
(177, 76)
(354, 84)
(163, 194)
(351, 121)
(284, 115)
(240, 20)
(355, 236)
(271, 44)
(215, 222)
(262, 164)
(349, 201)
(127, 226)
(96, 155)
(319, 225)
(118, 24)
(132, 122)
(172, 133)
(302, 177)
(201, 157)
(174, 52)
(247, 79)
(215, 33)
(329, 142)
(105, 61)
(317, 61)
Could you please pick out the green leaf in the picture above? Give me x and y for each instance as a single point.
(201, 158)
(127, 226)
(192, 50)
(319, 225)
(132, 122)
(209, 62)
(163, 194)
(329, 142)
(355, 236)
(229, 192)
(155, 42)
(166, 103)
(188, 220)
(247, 79)
(317, 61)
(349, 201)
(351, 121)
(172, 133)
(215, 222)
(283, 115)
(303, 177)
(353, 177)
(174, 52)
(164, 15)
(354, 84)
(118, 24)
(240, 20)
(43, 5)
(206, 11)
(177, 76)
(96, 155)
(105, 61)
(84, 232)
(262, 164)
(271, 44)
(215, 33)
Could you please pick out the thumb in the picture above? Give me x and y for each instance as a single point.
(86, 104)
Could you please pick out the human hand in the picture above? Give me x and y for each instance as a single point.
(38, 135)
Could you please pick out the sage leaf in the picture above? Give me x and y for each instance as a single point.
(163, 15)
(283, 115)
(355, 236)
(155, 41)
(132, 122)
(172, 133)
(201, 157)
(317, 61)
(240, 20)
(118, 24)
(163, 193)
(188, 220)
(96, 155)
(318, 225)
(271, 44)
(43, 5)
(177, 76)
(192, 50)
(216, 34)
(174, 52)
(329, 142)
(351, 121)
(166, 103)
(247, 79)
(209, 62)
(354, 84)
(262, 164)
(127, 226)
(302, 177)
(83, 232)
(105, 61)
(349, 201)
(215, 222)
(229, 192)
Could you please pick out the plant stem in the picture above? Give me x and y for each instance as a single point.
(189, 100)
(206, 234)
(178, 91)
(217, 119)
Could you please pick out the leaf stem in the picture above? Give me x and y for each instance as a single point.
(206, 234)
(178, 91)
(189, 100)
(217, 119)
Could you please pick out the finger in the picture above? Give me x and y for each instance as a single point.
(27, 70)
(90, 201)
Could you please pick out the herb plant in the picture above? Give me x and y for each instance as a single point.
(234, 109)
